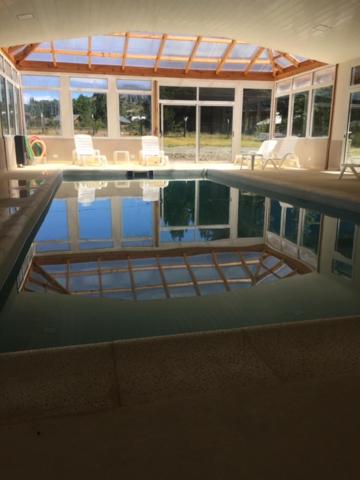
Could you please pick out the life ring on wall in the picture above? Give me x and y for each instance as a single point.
(38, 147)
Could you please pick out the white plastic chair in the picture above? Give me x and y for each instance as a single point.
(150, 153)
(264, 153)
(284, 153)
(351, 163)
(85, 152)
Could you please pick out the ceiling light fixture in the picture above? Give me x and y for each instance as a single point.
(25, 16)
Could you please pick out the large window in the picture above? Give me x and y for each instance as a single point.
(321, 111)
(135, 107)
(4, 121)
(299, 120)
(89, 105)
(255, 117)
(41, 96)
(281, 116)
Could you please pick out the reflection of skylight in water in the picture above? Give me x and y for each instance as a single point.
(139, 62)
(71, 58)
(178, 48)
(207, 49)
(106, 43)
(179, 65)
(105, 61)
(72, 44)
(40, 57)
(143, 46)
(203, 66)
(40, 81)
(243, 51)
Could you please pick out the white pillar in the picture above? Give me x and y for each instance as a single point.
(113, 112)
(66, 110)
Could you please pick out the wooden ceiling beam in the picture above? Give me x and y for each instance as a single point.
(227, 54)
(141, 72)
(25, 52)
(193, 53)
(303, 67)
(254, 58)
(53, 53)
(160, 52)
(126, 47)
(89, 52)
(290, 59)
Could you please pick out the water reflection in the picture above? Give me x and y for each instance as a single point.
(132, 214)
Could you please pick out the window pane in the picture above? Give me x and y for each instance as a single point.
(355, 75)
(18, 129)
(90, 113)
(321, 111)
(217, 94)
(42, 112)
(345, 238)
(353, 142)
(302, 82)
(214, 204)
(281, 116)
(251, 215)
(291, 224)
(300, 114)
(178, 93)
(125, 84)
(94, 83)
(283, 87)
(311, 231)
(11, 104)
(135, 114)
(255, 117)
(325, 76)
(275, 217)
(40, 81)
(3, 107)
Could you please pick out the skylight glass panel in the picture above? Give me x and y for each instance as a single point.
(140, 85)
(203, 66)
(175, 65)
(143, 46)
(71, 58)
(178, 48)
(299, 58)
(283, 62)
(107, 43)
(80, 44)
(45, 45)
(235, 67)
(40, 81)
(264, 55)
(140, 62)
(40, 57)
(211, 50)
(105, 61)
(86, 82)
(262, 67)
(242, 50)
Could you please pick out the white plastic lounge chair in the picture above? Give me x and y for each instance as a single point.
(264, 153)
(87, 191)
(150, 153)
(284, 153)
(351, 163)
(151, 189)
(85, 152)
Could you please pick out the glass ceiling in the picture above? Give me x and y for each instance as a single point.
(159, 51)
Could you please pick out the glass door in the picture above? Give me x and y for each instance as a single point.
(215, 143)
(178, 124)
(353, 133)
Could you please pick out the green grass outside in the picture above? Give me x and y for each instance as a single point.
(217, 140)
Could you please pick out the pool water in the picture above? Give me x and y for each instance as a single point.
(145, 240)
